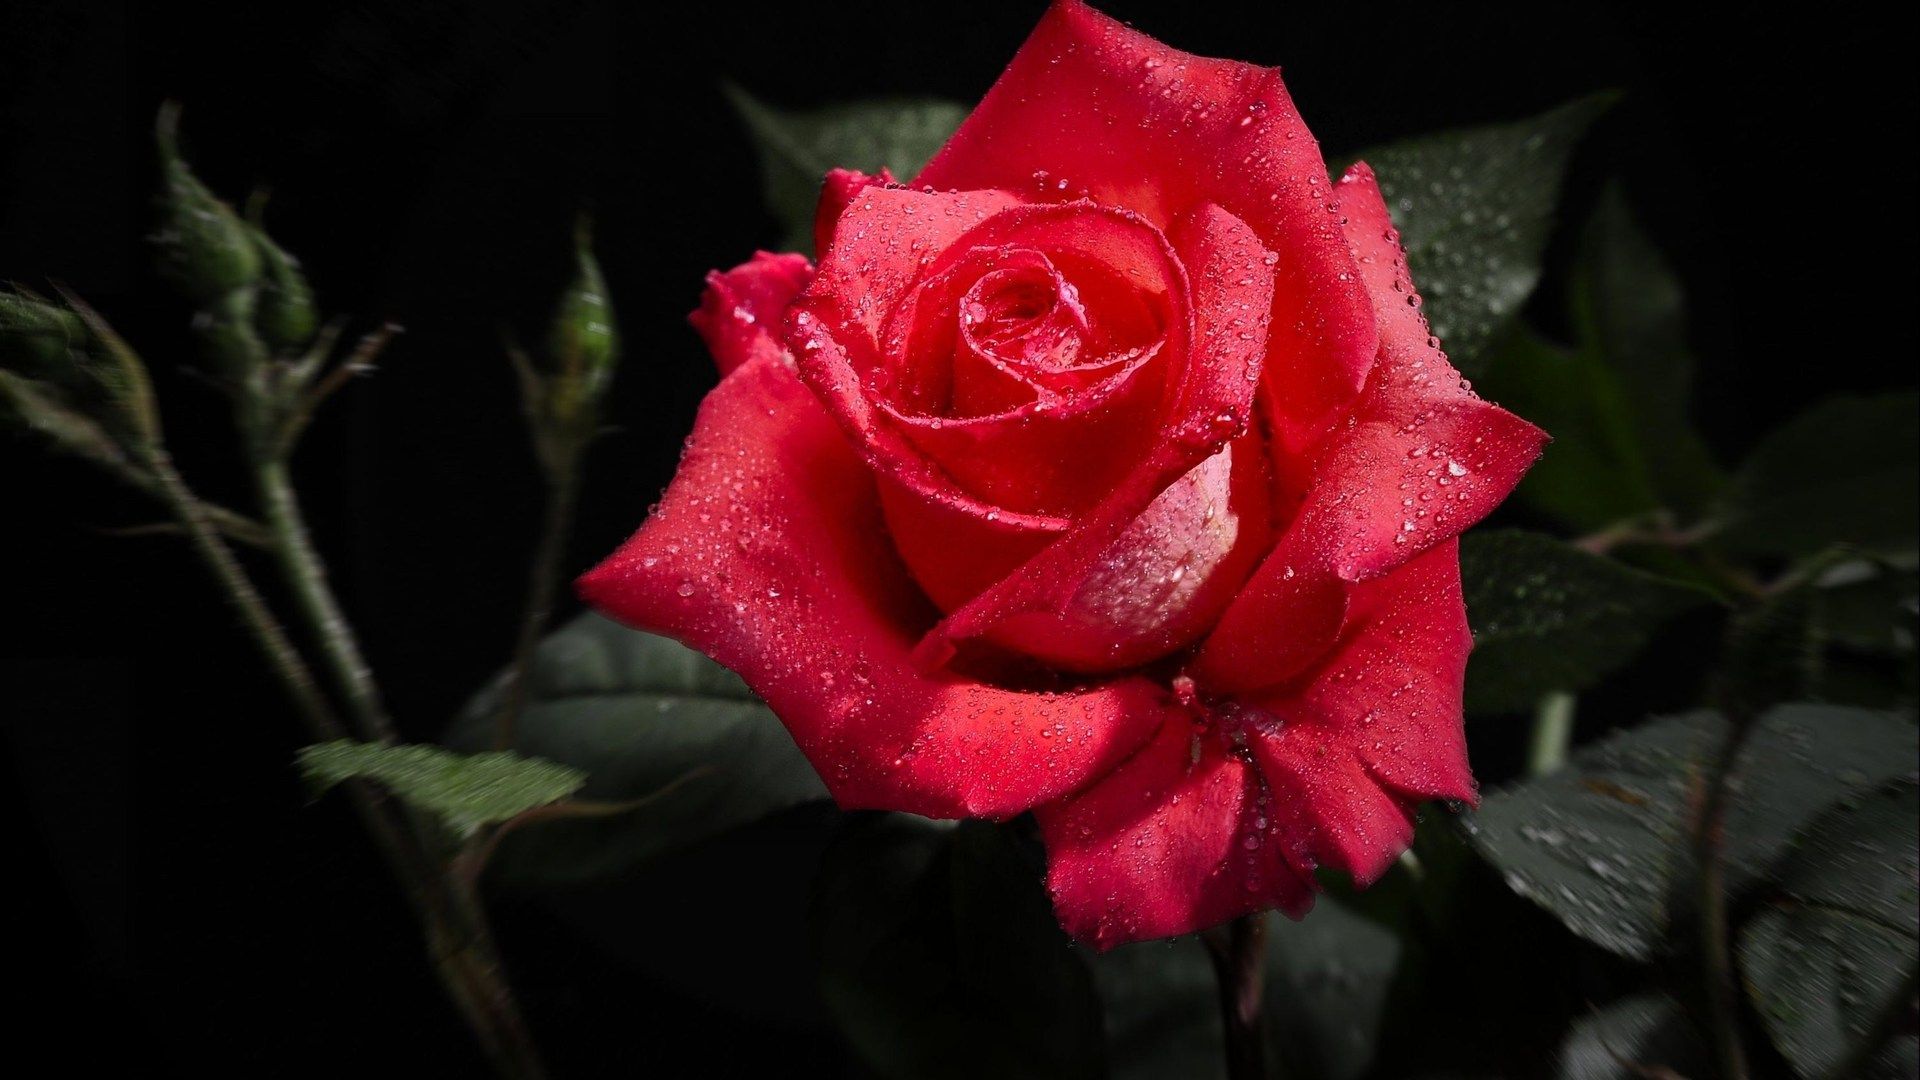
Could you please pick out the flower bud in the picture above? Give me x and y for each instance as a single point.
(77, 381)
(40, 409)
(284, 314)
(118, 380)
(228, 341)
(38, 338)
(583, 345)
(204, 248)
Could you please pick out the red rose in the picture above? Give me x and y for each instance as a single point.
(1106, 470)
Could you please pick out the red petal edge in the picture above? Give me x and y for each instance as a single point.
(1089, 108)
(768, 553)
(1208, 823)
(743, 310)
(1421, 460)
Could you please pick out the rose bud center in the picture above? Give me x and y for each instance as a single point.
(1038, 376)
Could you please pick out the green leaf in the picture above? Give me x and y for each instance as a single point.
(1474, 208)
(1631, 1038)
(1845, 471)
(1597, 844)
(466, 791)
(639, 713)
(1869, 607)
(940, 955)
(1327, 979)
(1867, 615)
(1594, 472)
(797, 149)
(1837, 949)
(1547, 616)
(1630, 315)
(1898, 1060)
(1162, 1011)
(1616, 403)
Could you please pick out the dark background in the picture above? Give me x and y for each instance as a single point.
(182, 899)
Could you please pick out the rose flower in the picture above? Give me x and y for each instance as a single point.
(1106, 470)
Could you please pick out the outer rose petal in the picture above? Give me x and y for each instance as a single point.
(1208, 823)
(769, 554)
(742, 312)
(1166, 845)
(1377, 727)
(1421, 460)
(836, 192)
(1389, 696)
(1455, 456)
(1092, 109)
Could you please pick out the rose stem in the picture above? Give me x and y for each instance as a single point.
(563, 489)
(1716, 959)
(458, 937)
(266, 631)
(1552, 733)
(1239, 964)
(307, 578)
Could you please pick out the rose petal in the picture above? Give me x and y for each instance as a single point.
(1102, 317)
(1422, 460)
(1378, 727)
(1429, 457)
(1196, 131)
(1052, 454)
(769, 554)
(744, 310)
(837, 329)
(837, 191)
(885, 240)
(1166, 844)
(1224, 343)
(1390, 693)
(1284, 619)
(1209, 822)
(1164, 582)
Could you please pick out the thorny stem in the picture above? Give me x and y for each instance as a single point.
(307, 577)
(266, 631)
(225, 522)
(358, 362)
(1239, 965)
(469, 965)
(458, 937)
(1715, 949)
(542, 582)
(1656, 529)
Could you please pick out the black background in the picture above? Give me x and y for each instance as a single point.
(182, 899)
